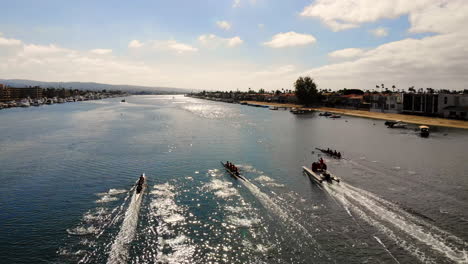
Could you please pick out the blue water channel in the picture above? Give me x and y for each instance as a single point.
(67, 175)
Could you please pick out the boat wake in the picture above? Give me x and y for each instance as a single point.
(87, 240)
(120, 247)
(286, 213)
(421, 239)
(165, 240)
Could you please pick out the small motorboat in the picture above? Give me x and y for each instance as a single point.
(320, 176)
(335, 116)
(424, 131)
(273, 108)
(123, 101)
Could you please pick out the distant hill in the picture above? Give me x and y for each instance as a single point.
(95, 86)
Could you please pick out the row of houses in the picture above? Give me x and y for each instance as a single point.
(448, 105)
(429, 104)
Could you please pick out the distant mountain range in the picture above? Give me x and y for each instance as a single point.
(134, 89)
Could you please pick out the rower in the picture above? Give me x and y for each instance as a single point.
(141, 180)
(339, 155)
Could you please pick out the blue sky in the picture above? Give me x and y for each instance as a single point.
(74, 28)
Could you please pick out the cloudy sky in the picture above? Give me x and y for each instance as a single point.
(237, 44)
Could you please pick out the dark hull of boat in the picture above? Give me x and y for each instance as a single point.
(331, 155)
(319, 176)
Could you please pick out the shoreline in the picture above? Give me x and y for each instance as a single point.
(413, 119)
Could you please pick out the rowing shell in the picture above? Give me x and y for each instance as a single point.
(319, 177)
(139, 193)
(329, 154)
(232, 173)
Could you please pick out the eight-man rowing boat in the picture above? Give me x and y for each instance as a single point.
(328, 153)
(140, 186)
(233, 174)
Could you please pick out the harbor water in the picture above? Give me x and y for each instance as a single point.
(68, 174)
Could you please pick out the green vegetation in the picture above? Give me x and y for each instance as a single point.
(306, 91)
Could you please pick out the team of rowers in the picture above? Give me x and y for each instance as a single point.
(332, 153)
(140, 183)
(232, 168)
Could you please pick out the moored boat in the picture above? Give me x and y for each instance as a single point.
(335, 116)
(395, 124)
(273, 108)
(424, 131)
(325, 114)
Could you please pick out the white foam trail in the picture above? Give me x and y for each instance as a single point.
(169, 216)
(270, 204)
(391, 215)
(388, 251)
(412, 249)
(119, 249)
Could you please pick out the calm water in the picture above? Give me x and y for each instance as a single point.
(67, 172)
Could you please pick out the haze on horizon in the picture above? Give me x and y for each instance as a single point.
(237, 44)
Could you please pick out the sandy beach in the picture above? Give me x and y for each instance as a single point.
(420, 120)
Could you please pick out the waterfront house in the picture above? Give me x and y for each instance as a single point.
(387, 103)
(421, 104)
(453, 106)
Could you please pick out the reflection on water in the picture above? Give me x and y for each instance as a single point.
(68, 173)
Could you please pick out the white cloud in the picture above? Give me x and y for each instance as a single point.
(235, 3)
(9, 42)
(163, 45)
(101, 51)
(443, 16)
(175, 46)
(340, 15)
(32, 50)
(211, 40)
(420, 62)
(338, 26)
(379, 32)
(285, 69)
(135, 44)
(55, 63)
(223, 25)
(290, 39)
(346, 53)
